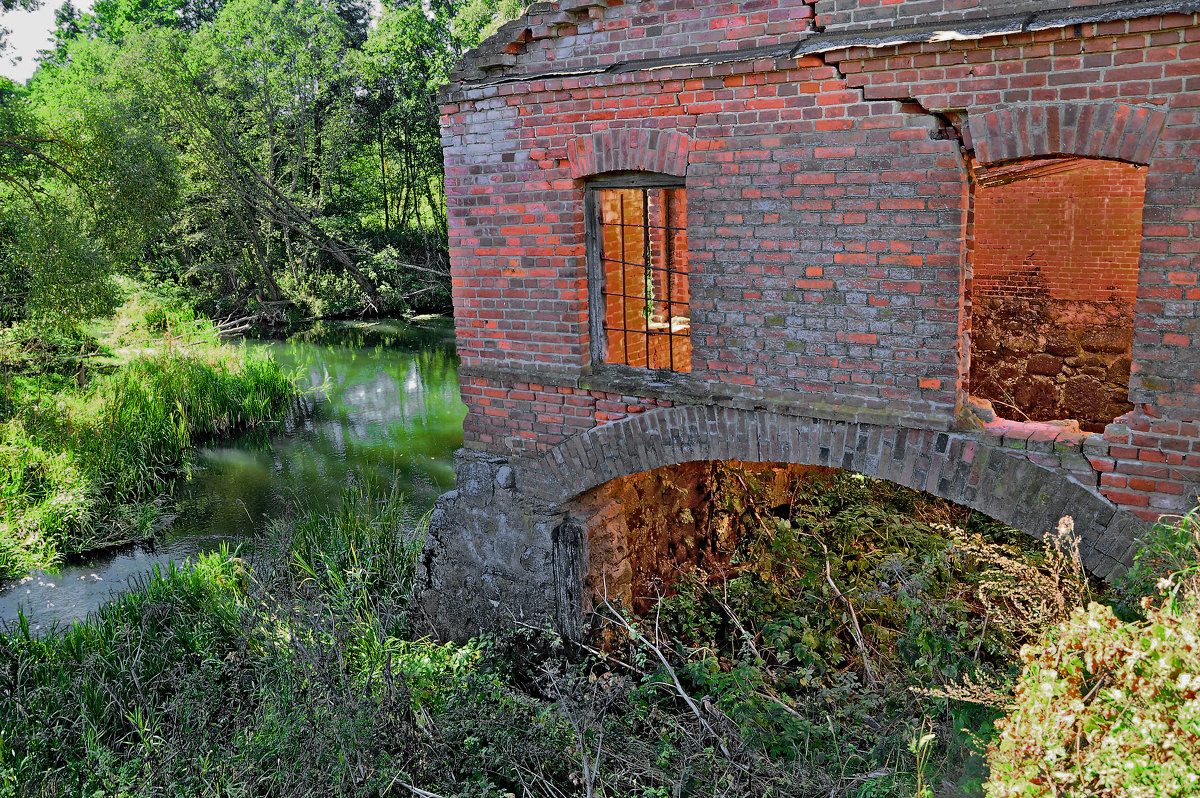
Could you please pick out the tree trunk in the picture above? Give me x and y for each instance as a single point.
(383, 180)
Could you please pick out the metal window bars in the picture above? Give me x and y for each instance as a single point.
(645, 275)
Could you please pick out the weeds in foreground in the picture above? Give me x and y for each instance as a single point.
(85, 449)
(298, 675)
(1111, 707)
(860, 616)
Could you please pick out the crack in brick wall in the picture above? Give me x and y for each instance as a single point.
(831, 227)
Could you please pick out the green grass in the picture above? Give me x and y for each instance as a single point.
(217, 677)
(92, 430)
(304, 673)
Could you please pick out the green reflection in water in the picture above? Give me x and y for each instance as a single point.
(380, 406)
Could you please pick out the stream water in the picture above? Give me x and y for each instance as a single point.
(379, 406)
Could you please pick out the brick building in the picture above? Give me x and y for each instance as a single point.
(948, 243)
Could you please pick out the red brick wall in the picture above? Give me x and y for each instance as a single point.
(837, 15)
(1081, 229)
(591, 35)
(1152, 62)
(814, 271)
(827, 209)
(512, 417)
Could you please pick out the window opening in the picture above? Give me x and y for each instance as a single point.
(1055, 271)
(644, 288)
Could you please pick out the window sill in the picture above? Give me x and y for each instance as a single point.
(633, 381)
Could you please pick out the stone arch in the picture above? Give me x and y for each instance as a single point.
(1116, 131)
(959, 466)
(629, 150)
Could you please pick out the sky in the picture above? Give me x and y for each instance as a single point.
(30, 32)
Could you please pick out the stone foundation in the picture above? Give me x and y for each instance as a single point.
(1041, 359)
(494, 557)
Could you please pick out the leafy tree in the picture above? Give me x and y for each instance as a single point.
(282, 154)
(80, 196)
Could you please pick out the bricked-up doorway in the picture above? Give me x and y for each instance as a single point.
(1055, 272)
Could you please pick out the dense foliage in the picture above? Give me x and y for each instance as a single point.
(860, 618)
(277, 158)
(268, 160)
(92, 428)
(1106, 707)
(300, 670)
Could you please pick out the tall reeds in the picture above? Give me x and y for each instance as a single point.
(73, 452)
(271, 675)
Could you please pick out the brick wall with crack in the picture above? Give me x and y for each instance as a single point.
(830, 232)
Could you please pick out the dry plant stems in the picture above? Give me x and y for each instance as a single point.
(617, 617)
(417, 791)
(590, 768)
(858, 635)
(1020, 596)
(972, 689)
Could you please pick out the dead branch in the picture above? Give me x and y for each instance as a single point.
(417, 791)
(859, 639)
(662, 659)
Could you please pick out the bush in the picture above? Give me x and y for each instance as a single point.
(1111, 708)
(857, 598)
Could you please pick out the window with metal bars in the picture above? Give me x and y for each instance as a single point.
(640, 290)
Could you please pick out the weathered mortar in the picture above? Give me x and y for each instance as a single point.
(830, 226)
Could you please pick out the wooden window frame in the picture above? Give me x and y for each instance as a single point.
(595, 268)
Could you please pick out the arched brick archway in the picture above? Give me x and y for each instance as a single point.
(1116, 131)
(629, 150)
(958, 466)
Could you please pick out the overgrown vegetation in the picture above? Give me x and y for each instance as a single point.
(300, 672)
(91, 428)
(860, 619)
(276, 159)
(1106, 707)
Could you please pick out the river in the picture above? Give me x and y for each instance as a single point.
(379, 405)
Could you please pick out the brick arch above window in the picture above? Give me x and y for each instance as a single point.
(1118, 131)
(629, 150)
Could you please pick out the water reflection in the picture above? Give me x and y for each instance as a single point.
(380, 406)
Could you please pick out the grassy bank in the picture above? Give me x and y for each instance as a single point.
(880, 675)
(93, 426)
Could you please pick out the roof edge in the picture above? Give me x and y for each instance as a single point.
(819, 43)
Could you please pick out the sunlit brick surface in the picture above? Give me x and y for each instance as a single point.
(831, 230)
(1080, 230)
(1052, 294)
